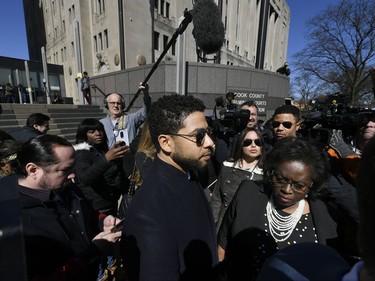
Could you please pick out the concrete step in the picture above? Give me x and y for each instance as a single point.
(64, 121)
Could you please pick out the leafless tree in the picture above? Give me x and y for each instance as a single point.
(306, 88)
(341, 47)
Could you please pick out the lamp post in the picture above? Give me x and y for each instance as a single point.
(45, 73)
(46, 90)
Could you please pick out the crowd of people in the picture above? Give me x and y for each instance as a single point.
(249, 207)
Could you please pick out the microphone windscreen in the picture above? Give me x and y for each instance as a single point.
(208, 28)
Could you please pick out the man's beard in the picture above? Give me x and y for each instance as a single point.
(187, 164)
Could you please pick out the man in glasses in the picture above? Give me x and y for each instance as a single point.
(123, 127)
(169, 232)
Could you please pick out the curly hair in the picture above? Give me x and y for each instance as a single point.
(293, 149)
(169, 112)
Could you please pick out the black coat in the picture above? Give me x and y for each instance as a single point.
(102, 182)
(24, 134)
(226, 186)
(243, 226)
(58, 234)
(169, 230)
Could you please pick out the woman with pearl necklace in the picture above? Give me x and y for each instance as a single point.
(284, 211)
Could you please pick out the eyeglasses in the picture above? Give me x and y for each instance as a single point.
(115, 103)
(286, 124)
(279, 181)
(248, 142)
(199, 135)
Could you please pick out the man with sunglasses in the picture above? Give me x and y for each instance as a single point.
(286, 121)
(169, 231)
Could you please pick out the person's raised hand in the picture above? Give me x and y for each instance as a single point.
(117, 151)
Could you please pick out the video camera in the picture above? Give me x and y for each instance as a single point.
(324, 117)
(232, 120)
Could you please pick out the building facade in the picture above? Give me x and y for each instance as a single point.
(104, 36)
(15, 72)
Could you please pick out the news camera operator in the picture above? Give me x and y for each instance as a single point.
(244, 117)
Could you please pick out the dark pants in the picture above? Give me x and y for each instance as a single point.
(10, 99)
(87, 95)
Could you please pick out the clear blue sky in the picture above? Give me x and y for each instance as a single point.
(14, 42)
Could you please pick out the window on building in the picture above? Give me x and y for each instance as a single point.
(156, 40)
(100, 42)
(53, 7)
(156, 5)
(162, 7)
(100, 6)
(70, 15)
(62, 54)
(174, 49)
(73, 12)
(72, 45)
(165, 41)
(55, 32)
(64, 27)
(106, 38)
(167, 6)
(95, 44)
(57, 57)
(62, 3)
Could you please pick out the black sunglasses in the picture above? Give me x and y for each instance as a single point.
(199, 135)
(248, 142)
(286, 124)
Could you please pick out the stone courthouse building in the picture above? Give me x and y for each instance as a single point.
(108, 36)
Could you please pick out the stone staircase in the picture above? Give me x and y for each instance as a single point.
(64, 117)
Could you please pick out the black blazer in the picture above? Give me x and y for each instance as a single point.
(248, 207)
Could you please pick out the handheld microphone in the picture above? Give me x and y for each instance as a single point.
(208, 28)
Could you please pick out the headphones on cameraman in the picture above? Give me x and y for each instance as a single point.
(122, 100)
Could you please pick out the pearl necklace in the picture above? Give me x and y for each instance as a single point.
(281, 227)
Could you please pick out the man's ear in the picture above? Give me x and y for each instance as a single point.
(298, 125)
(166, 143)
(32, 170)
(35, 126)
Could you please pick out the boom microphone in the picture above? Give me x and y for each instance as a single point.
(208, 28)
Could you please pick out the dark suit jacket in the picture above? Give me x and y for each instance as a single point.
(169, 227)
(247, 211)
(24, 134)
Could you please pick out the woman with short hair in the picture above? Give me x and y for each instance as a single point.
(284, 211)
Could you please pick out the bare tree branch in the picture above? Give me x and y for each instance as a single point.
(341, 47)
